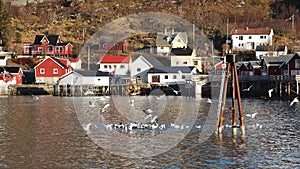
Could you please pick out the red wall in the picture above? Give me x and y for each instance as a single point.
(49, 65)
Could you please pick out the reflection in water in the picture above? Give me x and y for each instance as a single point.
(46, 133)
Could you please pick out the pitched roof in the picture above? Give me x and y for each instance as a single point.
(2, 57)
(251, 31)
(181, 51)
(277, 60)
(56, 60)
(92, 73)
(10, 69)
(114, 59)
(152, 60)
(161, 40)
(52, 39)
(174, 69)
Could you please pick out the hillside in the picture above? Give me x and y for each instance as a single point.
(77, 20)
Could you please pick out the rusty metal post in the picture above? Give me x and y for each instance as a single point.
(241, 117)
(220, 126)
(231, 68)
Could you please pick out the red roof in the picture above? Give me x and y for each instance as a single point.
(251, 31)
(114, 59)
(71, 59)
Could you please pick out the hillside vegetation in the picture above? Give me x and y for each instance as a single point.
(77, 20)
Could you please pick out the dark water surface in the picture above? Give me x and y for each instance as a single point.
(46, 133)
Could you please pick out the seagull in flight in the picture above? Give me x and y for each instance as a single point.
(209, 100)
(91, 104)
(247, 89)
(134, 94)
(105, 107)
(34, 97)
(175, 91)
(148, 113)
(251, 115)
(295, 100)
(270, 92)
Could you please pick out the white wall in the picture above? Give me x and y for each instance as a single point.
(75, 79)
(110, 67)
(170, 79)
(250, 44)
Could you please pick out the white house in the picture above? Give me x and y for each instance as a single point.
(185, 57)
(249, 38)
(166, 41)
(84, 78)
(3, 60)
(141, 65)
(171, 75)
(75, 63)
(115, 65)
(263, 51)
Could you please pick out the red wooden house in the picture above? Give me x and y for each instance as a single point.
(112, 46)
(11, 75)
(291, 66)
(51, 69)
(273, 65)
(48, 45)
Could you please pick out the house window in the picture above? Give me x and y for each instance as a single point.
(115, 66)
(297, 63)
(105, 66)
(250, 37)
(177, 63)
(161, 47)
(122, 66)
(195, 62)
(166, 77)
(183, 77)
(59, 49)
(263, 37)
(185, 63)
(55, 71)
(40, 49)
(50, 48)
(174, 77)
(104, 45)
(42, 71)
(241, 38)
(138, 69)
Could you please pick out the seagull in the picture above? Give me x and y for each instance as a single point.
(34, 97)
(91, 104)
(148, 112)
(175, 91)
(295, 100)
(247, 89)
(270, 92)
(154, 119)
(209, 100)
(105, 107)
(87, 127)
(251, 115)
(134, 94)
(198, 126)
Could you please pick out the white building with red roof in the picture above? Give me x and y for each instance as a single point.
(116, 65)
(248, 39)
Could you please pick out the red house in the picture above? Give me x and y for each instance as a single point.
(291, 65)
(48, 45)
(111, 46)
(51, 69)
(11, 75)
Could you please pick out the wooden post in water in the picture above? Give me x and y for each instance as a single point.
(231, 69)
